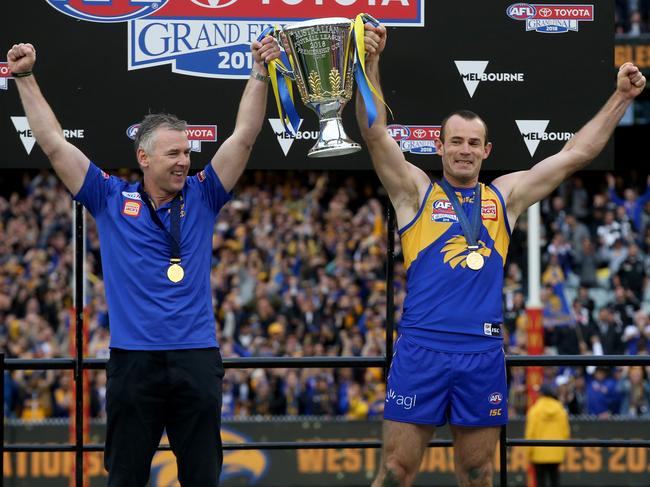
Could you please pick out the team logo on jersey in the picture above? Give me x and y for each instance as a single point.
(107, 11)
(131, 208)
(495, 398)
(416, 139)
(551, 19)
(455, 251)
(489, 210)
(201, 176)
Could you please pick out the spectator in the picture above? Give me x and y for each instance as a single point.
(631, 201)
(602, 395)
(635, 392)
(631, 274)
(547, 420)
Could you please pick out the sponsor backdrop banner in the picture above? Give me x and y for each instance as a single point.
(588, 466)
(535, 71)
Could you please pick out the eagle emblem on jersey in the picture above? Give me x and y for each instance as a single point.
(456, 252)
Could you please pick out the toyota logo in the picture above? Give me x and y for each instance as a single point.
(213, 3)
(545, 12)
(419, 133)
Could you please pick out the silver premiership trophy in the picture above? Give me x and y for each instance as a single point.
(322, 54)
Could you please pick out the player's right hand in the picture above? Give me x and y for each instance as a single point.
(21, 58)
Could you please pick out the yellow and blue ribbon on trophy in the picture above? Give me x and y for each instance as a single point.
(282, 78)
(282, 85)
(366, 89)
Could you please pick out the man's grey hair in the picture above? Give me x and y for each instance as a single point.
(144, 138)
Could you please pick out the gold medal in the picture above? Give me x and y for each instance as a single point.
(475, 261)
(175, 273)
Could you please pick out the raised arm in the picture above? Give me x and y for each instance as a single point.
(230, 160)
(522, 189)
(69, 163)
(405, 183)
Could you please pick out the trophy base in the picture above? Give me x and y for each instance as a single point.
(339, 148)
(333, 141)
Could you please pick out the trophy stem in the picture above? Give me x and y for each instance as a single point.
(332, 140)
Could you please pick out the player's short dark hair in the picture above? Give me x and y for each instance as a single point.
(466, 115)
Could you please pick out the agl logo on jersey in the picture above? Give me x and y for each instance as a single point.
(211, 38)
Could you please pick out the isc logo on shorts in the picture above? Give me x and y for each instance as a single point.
(131, 208)
(492, 330)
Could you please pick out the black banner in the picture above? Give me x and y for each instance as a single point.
(588, 466)
(535, 72)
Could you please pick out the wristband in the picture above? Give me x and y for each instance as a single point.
(260, 77)
(24, 74)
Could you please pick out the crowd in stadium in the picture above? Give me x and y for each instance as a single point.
(299, 269)
(632, 17)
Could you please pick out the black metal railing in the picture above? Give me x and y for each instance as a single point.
(78, 364)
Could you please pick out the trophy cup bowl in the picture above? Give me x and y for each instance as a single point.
(322, 54)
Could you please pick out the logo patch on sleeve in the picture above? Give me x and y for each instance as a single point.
(201, 176)
(131, 208)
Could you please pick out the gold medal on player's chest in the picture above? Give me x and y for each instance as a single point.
(475, 261)
(175, 273)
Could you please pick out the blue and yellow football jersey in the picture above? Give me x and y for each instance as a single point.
(449, 305)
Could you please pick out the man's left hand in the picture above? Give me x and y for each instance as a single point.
(631, 81)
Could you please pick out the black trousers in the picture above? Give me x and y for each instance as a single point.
(150, 391)
(548, 471)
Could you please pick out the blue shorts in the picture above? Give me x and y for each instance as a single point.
(430, 387)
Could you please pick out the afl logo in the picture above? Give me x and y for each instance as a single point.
(521, 11)
(132, 131)
(107, 11)
(443, 206)
(213, 3)
(495, 398)
(399, 132)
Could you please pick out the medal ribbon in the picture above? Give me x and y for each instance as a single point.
(470, 230)
(173, 237)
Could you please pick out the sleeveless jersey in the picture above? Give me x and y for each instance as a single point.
(449, 306)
